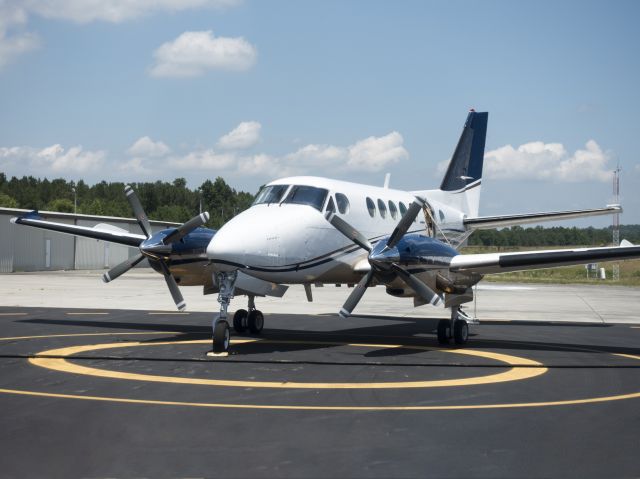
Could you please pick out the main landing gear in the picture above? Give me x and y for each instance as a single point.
(253, 320)
(457, 328)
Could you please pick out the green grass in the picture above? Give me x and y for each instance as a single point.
(629, 271)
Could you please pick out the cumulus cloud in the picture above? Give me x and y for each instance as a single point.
(52, 159)
(14, 43)
(84, 11)
(194, 53)
(548, 161)
(376, 153)
(145, 147)
(245, 135)
(203, 160)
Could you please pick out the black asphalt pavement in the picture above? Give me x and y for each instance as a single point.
(115, 393)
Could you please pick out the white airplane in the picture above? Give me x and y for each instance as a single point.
(312, 230)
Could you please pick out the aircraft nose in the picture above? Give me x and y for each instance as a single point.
(225, 250)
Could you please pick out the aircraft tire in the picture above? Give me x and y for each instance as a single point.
(256, 321)
(221, 337)
(240, 320)
(443, 331)
(461, 332)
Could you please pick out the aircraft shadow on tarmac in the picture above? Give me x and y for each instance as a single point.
(406, 331)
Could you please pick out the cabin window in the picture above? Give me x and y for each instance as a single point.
(393, 210)
(270, 194)
(331, 205)
(307, 195)
(441, 215)
(403, 208)
(382, 207)
(371, 207)
(343, 203)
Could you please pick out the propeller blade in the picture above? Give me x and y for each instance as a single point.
(121, 268)
(418, 286)
(356, 295)
(348, 230)
(173, 287)
(186, 228)
(405, 223)
(138, 212)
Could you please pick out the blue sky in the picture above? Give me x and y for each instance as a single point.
(128, 90)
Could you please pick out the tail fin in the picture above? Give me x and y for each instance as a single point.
(464, 172)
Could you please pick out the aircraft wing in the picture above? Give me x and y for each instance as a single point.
(489, 222)
(102, 231)
(520, 261)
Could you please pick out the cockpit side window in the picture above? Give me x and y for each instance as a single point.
(307, 195)
(270, 194)
(330, 205)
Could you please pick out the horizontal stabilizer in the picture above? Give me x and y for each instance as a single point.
(489, 222)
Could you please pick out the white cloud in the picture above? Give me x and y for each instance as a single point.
(548, 161)
(245, 135)
(145, 147)
(84, 11)
(317, 154)
(376, 153)
(52, 159)
(203, 160)
(14, 44)
(193, 53)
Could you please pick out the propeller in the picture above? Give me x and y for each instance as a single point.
(154, 247)
(383, 259)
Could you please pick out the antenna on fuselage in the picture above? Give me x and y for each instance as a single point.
(387, 178)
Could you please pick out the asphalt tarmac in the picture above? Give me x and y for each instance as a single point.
(98, 392)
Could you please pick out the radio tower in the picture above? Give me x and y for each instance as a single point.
(616, 219)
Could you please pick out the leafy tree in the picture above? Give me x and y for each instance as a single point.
(61, 204)
(7, 202)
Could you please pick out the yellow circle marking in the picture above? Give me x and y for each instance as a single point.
(528, 368)
(569, 402)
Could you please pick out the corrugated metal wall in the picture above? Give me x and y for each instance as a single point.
(24, 248)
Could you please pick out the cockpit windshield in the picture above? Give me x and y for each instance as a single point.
(270, 194)
(307, 195)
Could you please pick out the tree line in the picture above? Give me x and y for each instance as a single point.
(175, 202)
(161, 200)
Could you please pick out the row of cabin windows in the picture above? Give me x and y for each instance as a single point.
(382, 208)
(313, 196)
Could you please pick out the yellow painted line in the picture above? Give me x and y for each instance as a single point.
(632, 356)
(87, 313)
(531, 368)
(568, 402)
(83, 334)
(13, 314)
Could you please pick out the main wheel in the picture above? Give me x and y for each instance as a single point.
(240, 320)
(221, 337)
(256, 321)
(444, 325)
(461, 331)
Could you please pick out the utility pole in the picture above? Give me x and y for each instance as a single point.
(616, 219)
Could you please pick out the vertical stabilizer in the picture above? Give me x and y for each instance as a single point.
(464, 173)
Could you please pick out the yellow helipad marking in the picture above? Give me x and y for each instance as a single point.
(531, 368)
(84, 334)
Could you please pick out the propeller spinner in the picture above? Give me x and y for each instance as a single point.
(153, 247)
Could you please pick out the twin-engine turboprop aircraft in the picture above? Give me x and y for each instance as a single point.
(311, 230)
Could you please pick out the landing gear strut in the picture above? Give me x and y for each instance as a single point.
(457, 328)
(253, 319)
(221, 334)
